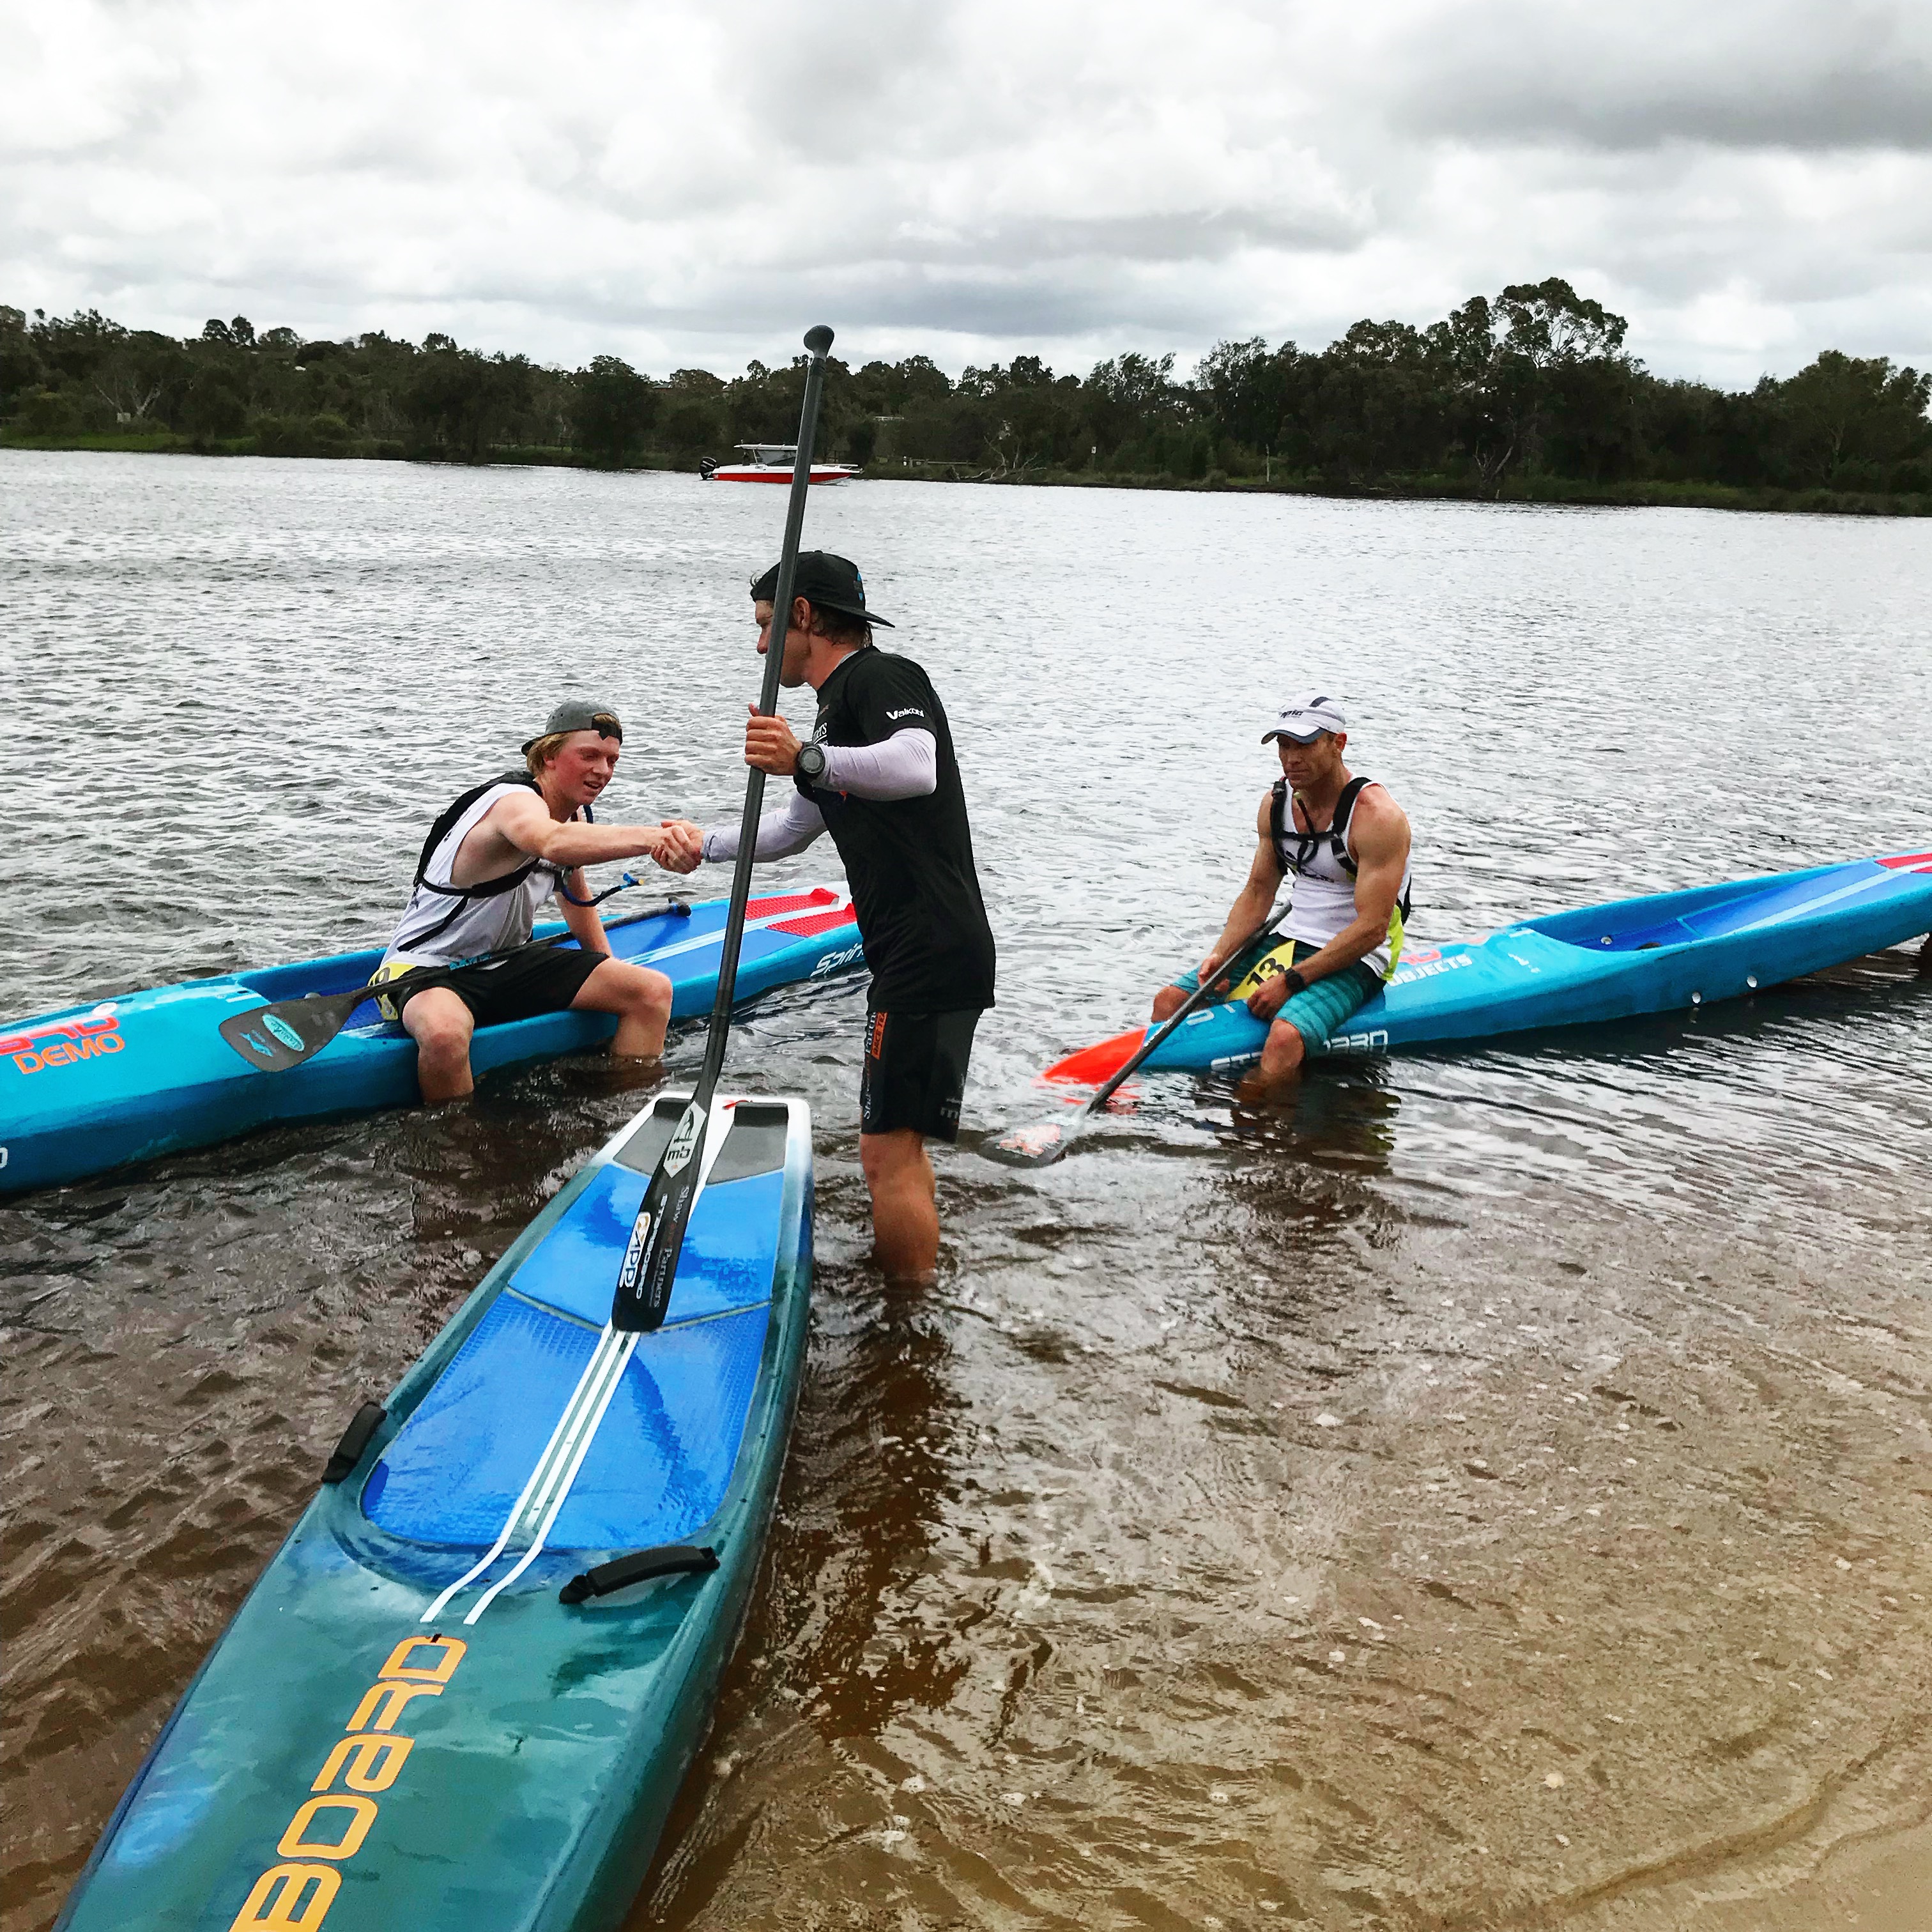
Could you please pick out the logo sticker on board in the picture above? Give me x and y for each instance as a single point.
(634, 1254)
(684, 1142)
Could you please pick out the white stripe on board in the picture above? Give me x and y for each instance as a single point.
(566, 1427)
(1811, 906)
(704, 939)
(548, 1488)
(561, 1493)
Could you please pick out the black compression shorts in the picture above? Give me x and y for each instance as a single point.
(915, 1072)
(543, 981)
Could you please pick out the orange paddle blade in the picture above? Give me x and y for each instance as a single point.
(1092, 1064)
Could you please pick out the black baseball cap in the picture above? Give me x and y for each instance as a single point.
(580, 714)
(830, 582)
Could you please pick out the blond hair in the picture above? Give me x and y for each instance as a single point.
(544, 750)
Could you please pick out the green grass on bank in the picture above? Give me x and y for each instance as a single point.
(294, 441)
(1554, 490)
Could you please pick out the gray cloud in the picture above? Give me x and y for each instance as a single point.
(1798, 78)
(1748, 180)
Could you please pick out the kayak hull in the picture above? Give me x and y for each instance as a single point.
(1655, 954)
(88, 1088)
(367, 1747)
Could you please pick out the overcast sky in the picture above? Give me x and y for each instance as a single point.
(1748, 180)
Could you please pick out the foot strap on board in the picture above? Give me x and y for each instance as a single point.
(671, 1560)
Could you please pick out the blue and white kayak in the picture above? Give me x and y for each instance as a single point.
(463, 1695)
(90, 1086)
(1607, 962)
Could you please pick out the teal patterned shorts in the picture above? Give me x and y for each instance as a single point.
(1317, 1011)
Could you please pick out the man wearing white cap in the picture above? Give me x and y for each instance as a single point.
(1344, 843)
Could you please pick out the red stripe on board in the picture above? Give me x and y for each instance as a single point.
(814, 923)
(819, 895)
(1908, 861)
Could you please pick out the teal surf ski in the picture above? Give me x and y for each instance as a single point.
(1606, 962)
(463, 1695)
(90, 1086)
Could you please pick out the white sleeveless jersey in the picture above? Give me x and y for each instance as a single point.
(436, 927)
(1324, 904)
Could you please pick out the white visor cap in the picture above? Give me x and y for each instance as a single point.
(1305, 717)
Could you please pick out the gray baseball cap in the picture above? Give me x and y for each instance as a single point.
(581, 714)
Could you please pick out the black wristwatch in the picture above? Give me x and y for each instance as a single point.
(1294, 981)
(812, 763)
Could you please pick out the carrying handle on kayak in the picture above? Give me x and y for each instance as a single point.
(348, 1452)
(672, 1559)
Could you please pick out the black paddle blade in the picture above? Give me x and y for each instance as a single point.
(657, 1235)
(273, 1039)
(1038, 1145)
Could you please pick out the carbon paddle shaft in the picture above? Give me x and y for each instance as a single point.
(1043, 1143)
(1182, 1014)
(657, 1236)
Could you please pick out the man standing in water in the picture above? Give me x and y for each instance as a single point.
(491, 862)
(1345, 843)
(880, 775)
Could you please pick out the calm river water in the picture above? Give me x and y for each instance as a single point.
(1492, 1489)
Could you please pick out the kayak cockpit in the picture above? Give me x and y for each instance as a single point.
(1601, 935)
(299, 977)
(1704, 913)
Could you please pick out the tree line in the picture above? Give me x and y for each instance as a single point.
(1531, 386)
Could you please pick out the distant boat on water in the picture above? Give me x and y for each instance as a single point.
(771, 463)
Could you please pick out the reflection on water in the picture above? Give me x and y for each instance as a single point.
(1481, 1489)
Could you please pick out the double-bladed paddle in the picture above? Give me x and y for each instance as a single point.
(657, 1235)
(1043, 1142)
(275, 1037)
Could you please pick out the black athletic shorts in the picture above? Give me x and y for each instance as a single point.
(543, 981)
(915, 1073)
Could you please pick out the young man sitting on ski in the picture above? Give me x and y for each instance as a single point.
(492, 861)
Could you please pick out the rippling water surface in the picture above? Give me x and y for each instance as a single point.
(1491, 1489)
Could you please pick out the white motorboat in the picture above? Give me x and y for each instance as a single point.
(771, 463)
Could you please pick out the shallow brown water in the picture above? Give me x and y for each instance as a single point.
(1267, 1506)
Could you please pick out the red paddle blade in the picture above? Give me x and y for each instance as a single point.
(1093, 1064)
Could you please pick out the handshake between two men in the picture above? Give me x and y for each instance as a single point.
(771, 746)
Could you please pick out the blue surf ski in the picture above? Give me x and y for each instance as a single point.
(463, 1695)
(1605, 962)
(87, 1088)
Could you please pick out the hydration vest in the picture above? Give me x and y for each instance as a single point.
(462, 897)
(1320, 861)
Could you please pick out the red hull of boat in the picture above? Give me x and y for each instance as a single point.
(733, 475)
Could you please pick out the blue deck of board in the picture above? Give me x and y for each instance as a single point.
(660, 1459)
